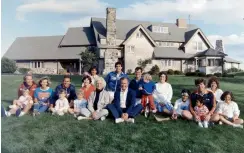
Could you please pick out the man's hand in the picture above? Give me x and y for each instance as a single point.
(140, 88)
(125, 116)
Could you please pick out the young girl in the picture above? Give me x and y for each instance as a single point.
(201, 111)
(62, 104)
(181, 105)
(24, 100)
(79, 103)
(147, 87)
(42, 96)
(228, 111)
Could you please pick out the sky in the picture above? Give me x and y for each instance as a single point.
(218, 19)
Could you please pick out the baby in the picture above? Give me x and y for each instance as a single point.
(23, 100)
(201, 112)
(79, 103)
(62, 104)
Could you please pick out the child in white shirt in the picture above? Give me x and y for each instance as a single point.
(61, 105)
(79, 103)
(228, 111)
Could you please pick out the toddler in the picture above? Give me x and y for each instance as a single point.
(62, 104)
(201, 112)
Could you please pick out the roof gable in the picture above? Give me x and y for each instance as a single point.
(135, 30)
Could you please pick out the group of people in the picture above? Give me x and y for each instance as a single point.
(124, 99)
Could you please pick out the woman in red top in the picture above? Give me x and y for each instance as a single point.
(88, 88)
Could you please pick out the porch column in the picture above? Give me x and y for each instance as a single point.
(80, 66)
(30, 64)
(196, 64)
(57, 68)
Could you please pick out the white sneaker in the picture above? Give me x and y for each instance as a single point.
(154, 111)
(119, 120)
(61, 113)
(102, 118)
(131, 120)
(205, 124)
(8, 113)
(21, 114)
(75, 115)
(238, 126)
(81, 118)
(12, 106)
(200, 124)
(220, 122)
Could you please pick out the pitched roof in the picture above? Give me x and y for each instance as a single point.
(170, 52)
(79, 36)
(230, 60)
(144, 31)
(124, 27)
(210, 52)
(41, 48)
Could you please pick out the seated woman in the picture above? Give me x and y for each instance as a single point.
(97, 103)
(87, 87)
(163, 94)
(208, 99)
(213, 85)
(181, 106)
(42, 96)
(228, 111)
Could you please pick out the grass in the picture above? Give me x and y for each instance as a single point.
(47, 133)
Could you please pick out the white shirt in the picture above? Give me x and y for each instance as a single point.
(218, 93)
(180, 105)
(229, 110)
(163, 92)
(123, 96)
(62, 104)
(24, 99)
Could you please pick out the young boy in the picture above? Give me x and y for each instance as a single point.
(147, 87)
(201, 111)
(79, 103)
(62, 104)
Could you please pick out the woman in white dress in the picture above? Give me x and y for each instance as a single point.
(213, 85)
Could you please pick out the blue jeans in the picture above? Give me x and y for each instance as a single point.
(135, 111)
(167, 106)
(40, 107)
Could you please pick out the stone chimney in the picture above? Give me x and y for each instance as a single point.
(219, 46)
(111, 26)
(111, 54)
(181, 23)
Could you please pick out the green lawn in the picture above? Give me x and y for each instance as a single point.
(47, 133)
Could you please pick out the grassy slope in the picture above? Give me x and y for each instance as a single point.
(47, 133)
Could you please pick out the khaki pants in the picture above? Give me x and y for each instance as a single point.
(85, 112)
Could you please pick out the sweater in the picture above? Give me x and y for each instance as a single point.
(163, 93)
(134, 85)
(62, 104)
(148, 87)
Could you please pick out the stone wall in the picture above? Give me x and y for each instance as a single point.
(219, 46)
(44, 71)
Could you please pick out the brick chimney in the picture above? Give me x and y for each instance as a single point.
(219, 46)
(111, 26)
(181, 23)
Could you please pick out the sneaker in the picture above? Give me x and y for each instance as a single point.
(21, 114)
(130, 120)
(238, 126)
(200, 124)
(18, 111)
(35, 112)
(220, 122)
(3, 112)
(102, 118)
(61, 113)
(12, 106)
(81, 118)
(8, 113)
(205, 124)
(154, 111)
(119, 120)
(75, 115)
(146, 113)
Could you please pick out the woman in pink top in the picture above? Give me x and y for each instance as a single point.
(87, 88)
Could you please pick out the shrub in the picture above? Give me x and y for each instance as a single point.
(191, 74)
(209, 75)
(170, 72)
(197, 71)
(201, 74)
(129, 71)
(176, 72)
(24, 70)
(8, 66)
(154, 70)
(228, 75)
(218, 74)
(62, 71)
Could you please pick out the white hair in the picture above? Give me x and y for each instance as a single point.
(100, 79)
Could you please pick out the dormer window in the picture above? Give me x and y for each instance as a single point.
(160, 29)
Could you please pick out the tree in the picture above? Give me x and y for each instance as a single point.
(89, 58)
(154, 70)
(143, 63)
(8, 66)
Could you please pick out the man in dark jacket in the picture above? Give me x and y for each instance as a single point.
(134, 84)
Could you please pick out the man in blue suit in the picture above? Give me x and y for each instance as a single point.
(123, 108)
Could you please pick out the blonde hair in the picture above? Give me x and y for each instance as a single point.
(100, 79)
(25, 90)
(80, 92)
(147, 76)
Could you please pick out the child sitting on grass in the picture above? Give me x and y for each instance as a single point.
(201, 112)
(79, 103)
(147, 87)
(24, 100)
(62, 104)
(228, 111)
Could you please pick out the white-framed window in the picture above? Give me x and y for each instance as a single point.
(167, 62)
(156, 29)
(139, 35)
(197, 46)
(37, 64)
(131, 49)
(164, 30)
